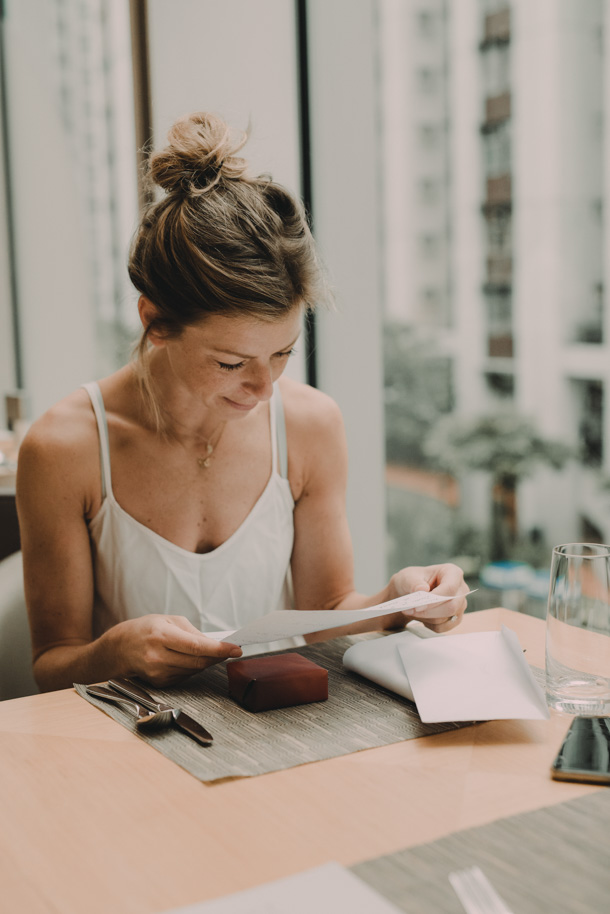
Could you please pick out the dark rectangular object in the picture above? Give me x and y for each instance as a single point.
(277, 681)
(9, 525)
(584, 752)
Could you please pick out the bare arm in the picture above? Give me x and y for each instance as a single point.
(56, 493)
(322, 563)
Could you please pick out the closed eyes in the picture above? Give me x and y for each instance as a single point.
(234, 366)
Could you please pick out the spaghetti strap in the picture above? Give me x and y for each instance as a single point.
(280, 433)
(97, 401)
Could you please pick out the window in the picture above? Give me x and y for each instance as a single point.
(444, 134)
(523, 280)
(73, 182)
(501, 386)
(429, 136)
(428, 80)
(429, 191)
(427, 23)
(429, 246)
(497, 149)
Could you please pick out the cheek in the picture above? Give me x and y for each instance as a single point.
(203, 378)
(278, 366)
(222, 381)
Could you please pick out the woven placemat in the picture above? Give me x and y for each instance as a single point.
(358, 715)
(555, 859)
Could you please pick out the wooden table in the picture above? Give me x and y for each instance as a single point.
(94, 820)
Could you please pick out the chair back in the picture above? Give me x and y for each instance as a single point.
(16, 676)
(9, 524)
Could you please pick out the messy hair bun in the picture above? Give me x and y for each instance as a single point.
(201, 151)
(219, 241)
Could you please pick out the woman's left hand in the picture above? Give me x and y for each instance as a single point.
(438, 579)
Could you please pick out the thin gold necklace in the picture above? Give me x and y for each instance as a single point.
(204, 462)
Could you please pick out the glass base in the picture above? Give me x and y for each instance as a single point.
(582, 697)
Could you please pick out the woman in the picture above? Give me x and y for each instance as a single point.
(193, 490)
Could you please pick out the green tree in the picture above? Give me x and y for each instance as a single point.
(417, 387)
(507, 446)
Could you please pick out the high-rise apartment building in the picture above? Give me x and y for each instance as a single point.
(513, 288)
(416, 175)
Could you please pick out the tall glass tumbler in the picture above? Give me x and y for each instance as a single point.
(578, 630)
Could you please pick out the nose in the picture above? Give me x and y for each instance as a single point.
(259, 382)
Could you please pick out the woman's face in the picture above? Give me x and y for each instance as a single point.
(229, 364)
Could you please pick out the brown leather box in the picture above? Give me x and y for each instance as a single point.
(277, 681)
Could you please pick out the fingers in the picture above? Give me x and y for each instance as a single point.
(444, 625)
(197, 653)
(179, 635)
(162, 648)
(441, 579)
(410, 579)
(441, 613)
(446, 579)
(201, 646)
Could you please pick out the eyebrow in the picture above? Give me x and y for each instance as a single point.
(242, 355)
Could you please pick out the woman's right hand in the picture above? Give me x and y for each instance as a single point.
(164, 650)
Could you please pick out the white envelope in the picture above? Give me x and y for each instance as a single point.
(379, 660)
(479, 676)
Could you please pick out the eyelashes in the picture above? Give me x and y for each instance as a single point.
(228, 366)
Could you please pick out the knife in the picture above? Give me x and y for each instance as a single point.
(180, 718)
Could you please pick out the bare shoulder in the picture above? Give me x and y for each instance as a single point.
(317, 449)
(308, 408)
(60, 449)
(63, 430)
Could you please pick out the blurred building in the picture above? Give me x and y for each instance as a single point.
(495, 179)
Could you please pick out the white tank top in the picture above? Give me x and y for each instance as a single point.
(138, 572)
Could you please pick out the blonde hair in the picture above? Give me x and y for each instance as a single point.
(219, 241)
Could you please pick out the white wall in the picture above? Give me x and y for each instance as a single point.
(467, 237)
(397, 149)
(467, 229)
(347, 224)
(54, 295)
(7, 361)
(238, 60)
(557, 176)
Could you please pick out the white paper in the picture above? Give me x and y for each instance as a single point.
(327, 889)
(380, 661)
(288, 623)
(480, 676)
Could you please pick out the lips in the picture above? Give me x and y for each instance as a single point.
(246, 407)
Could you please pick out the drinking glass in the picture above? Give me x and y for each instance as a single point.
(578, 630)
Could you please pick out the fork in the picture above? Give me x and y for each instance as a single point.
(476, 892)
(153, 720)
